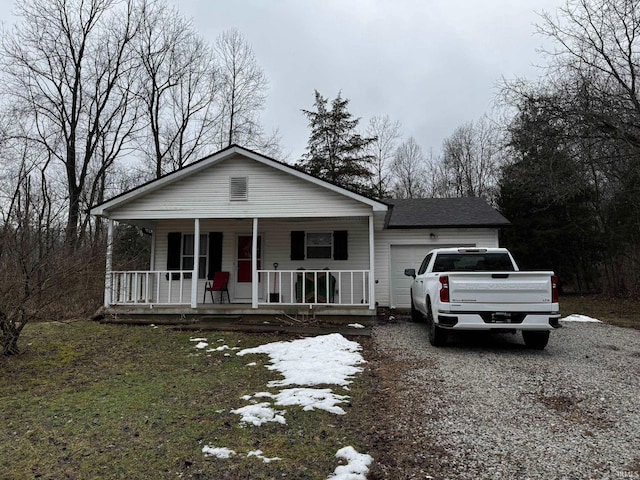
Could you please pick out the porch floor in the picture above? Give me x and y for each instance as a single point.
(241, 317)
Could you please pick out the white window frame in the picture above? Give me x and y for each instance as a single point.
(204, 253)
(323, 245)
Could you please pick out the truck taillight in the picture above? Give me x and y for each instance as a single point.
(554, 289)
(444, 288)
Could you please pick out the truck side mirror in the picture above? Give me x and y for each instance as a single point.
(410, 272)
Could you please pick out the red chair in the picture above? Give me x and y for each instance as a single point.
(219, 284)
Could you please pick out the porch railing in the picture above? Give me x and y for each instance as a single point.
(151, 287)
(281, 287)
(315, 287)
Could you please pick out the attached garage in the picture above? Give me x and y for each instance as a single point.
(406, 256)
(413, 227)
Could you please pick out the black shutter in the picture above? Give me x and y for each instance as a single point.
(297, 245)
(215, 254)
(340, 245)
(174, 250)
(174, 244)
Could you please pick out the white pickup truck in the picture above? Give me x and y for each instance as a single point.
(482, 289)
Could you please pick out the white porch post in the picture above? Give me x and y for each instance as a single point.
(109, 263)
(196, 263)
(372, 258)
(152, 260)
(254, 265)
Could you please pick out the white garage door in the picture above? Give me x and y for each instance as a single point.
(406, 256)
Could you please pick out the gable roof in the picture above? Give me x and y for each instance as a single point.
(443, 212)
(206, 162)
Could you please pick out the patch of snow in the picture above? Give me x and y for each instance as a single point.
(252, 364)
(218, 452)
(222, 348)
(259, 414)
(579, 318)
(357, 465)
(326, 359)
(356, 325)
(263, 395)
(307, 398)
(312, 399)
(258, 454)
(197, 339)
(202, 345)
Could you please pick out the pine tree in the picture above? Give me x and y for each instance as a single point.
(336, 152)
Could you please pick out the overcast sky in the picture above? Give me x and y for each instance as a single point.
(430, 64)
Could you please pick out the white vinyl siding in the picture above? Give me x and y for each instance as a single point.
(273, 193)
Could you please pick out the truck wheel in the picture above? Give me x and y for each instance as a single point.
(437, 335)
(415, 314)
(535, 339)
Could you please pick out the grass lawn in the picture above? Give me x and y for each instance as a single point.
(616, 311)
(86, 400)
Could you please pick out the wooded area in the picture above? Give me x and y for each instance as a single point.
(99, 96)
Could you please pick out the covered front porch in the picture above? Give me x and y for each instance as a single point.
(275, 267)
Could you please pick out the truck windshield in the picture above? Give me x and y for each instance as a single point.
(473, 262)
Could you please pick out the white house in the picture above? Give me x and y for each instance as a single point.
(289, 241)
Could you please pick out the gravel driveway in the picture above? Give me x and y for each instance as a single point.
(486, 407)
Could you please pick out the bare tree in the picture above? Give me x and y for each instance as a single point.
(597, 46)
(409, 171)
(68, 65)
(243, 86)
(386, 133)
(437, 184)
(29, 217)
(471, 159)
(178, 87)
(576, 141)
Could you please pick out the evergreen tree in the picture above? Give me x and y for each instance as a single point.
(546, 194)
(336, 152)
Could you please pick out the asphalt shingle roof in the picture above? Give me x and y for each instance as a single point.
(442, 212)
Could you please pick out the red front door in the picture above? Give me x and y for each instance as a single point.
(244, 265)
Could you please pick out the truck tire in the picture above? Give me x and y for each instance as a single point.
(416, 316)
(437, 335)
(535, 339)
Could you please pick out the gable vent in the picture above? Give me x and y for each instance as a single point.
(238, 188)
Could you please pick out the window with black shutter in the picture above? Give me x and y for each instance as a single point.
(320, 245)
(181, 254)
